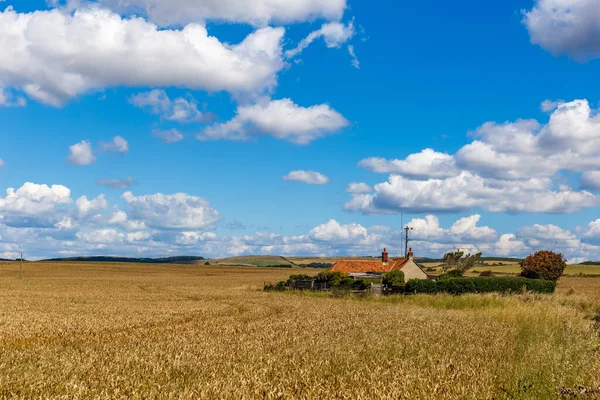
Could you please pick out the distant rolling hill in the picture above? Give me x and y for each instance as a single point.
(164, 260)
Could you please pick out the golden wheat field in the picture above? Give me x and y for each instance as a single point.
(150, 331)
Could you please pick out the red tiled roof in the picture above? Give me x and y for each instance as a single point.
(366, 266)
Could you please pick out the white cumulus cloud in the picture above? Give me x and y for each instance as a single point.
(256, 12)
(358, 187)
(466, 192)
(509, 167)
(81, 154)
(590, 180)
(85, 207)
(424, 165)
(177, 211)
(34, 204)
(333, 231)
(158, 102)
(282, 119)
(116, 145)
(310, 177)
(56, 55)
(569, 27)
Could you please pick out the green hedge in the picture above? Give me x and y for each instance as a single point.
(479, 285)
(334, 281)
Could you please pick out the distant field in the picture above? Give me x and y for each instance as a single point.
(513, 269)
(259, 261)
(325, 260)
(78, 330)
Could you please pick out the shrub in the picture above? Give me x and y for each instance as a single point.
(487, 273)
(295, 278)
(361, 284)
(318, 265)
(280, 287)
(455, 273)
(421, 286)
(544, 265)
(393, 279)
(333, 278)
(480, 285)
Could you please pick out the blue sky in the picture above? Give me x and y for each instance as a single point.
(426, 76)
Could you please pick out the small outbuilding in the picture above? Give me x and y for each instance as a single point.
(366, 268)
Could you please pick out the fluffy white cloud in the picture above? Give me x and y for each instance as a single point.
(116, 145)
(332, 231)
(191, 238)
(569, 27)
(44, 222)
(570, 141)
(333, 33)
(257, 12)
(508, 167)
(510, 246)
(463, 230)
(591, 232)
(550, 237)
(101, 237)
(158, 102)
(310, 177)
(168, 136)
(590, 180)
(282, 119)
(358, 188)
(178, 211)
(424, 165)
(81, 154)
(549, 105)
(124, 183)
(121, 219)
(86, 207)
(55, 55)
(2, 163)
(465, 192)
(34, 205)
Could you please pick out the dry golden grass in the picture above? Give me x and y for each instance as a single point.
(155, 331)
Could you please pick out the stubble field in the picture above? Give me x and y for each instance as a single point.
(156, 331)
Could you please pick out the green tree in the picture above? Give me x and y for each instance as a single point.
(457, 265)
(544, 264)
(393, 279)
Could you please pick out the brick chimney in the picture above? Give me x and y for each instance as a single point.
(384, 256)
(411, 256)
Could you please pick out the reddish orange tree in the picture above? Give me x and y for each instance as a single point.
(545, 265)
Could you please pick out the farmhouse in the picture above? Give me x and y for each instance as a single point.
(361, 268)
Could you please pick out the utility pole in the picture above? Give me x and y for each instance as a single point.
(407, 229)
(21, 267)
(402, 225)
